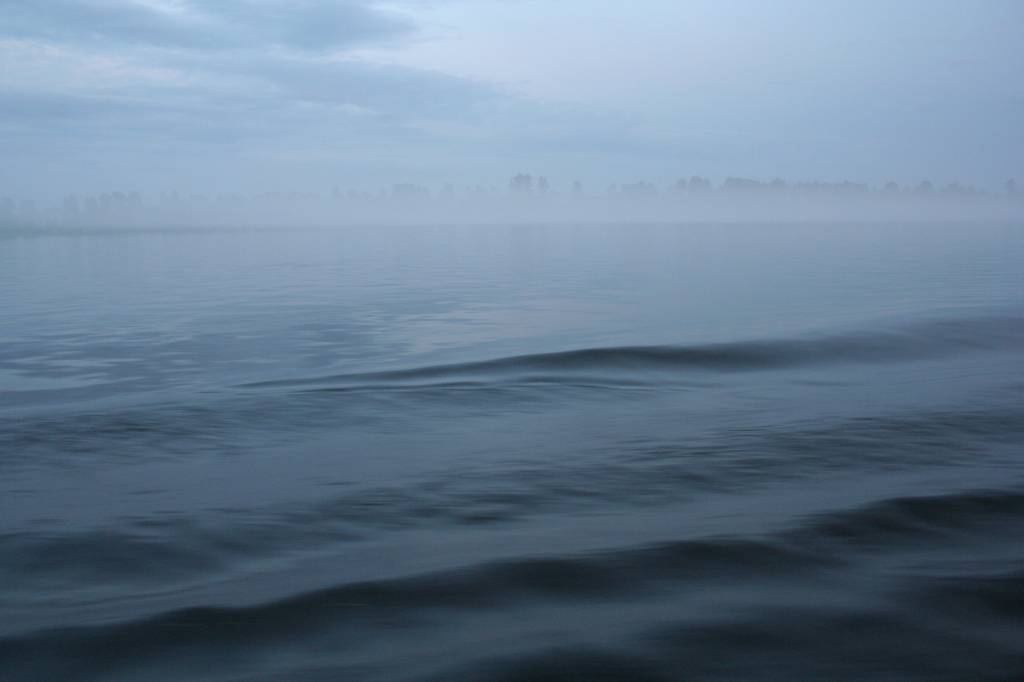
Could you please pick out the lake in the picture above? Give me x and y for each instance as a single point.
(643, 452)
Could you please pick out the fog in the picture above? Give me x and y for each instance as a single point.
(246, 111)
(420, 340)
(693, 200)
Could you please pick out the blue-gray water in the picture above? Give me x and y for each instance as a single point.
(764, 452)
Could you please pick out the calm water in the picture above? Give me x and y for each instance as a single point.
(767, 452)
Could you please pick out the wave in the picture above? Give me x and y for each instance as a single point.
(822, 553)
(898, 521)
(234, 422)
(650, 473)
(604, 366)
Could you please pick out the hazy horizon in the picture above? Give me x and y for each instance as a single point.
(251, 97)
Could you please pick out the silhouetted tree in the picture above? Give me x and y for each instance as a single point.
(521, 184)
(407, 190)
(71, 204)
(699, 184)
(740, 184)
(639, 189)
(955, 189)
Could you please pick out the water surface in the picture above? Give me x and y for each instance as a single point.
(588, 452)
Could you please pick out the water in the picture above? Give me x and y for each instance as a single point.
(757, 452)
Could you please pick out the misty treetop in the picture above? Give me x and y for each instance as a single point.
(526, 198)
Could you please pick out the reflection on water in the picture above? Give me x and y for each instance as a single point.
(725, 452)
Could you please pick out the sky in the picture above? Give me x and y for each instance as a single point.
(304, 95)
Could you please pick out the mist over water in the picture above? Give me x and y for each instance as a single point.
(582, 340)
(701, 451)
(526, 201)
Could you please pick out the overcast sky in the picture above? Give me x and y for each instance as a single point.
(252, 95)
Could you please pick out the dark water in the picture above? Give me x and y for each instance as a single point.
(767, 452)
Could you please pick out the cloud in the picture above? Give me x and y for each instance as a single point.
(311, 24)
(125, 90)
(112, 67)
(247, 97)
(303, 25)
(158, 93)
(394, 91)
